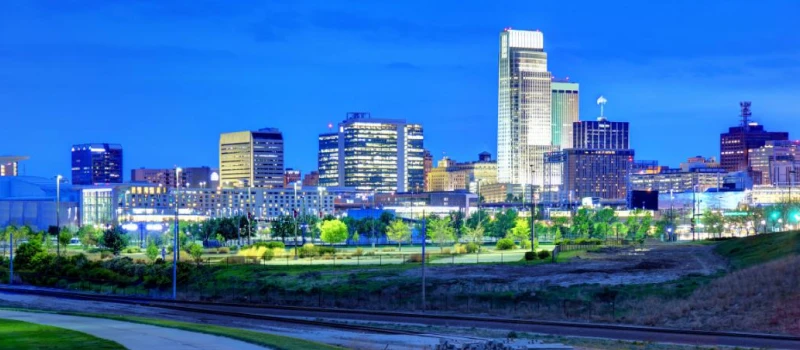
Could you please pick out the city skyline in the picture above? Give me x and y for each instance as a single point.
(644, 80)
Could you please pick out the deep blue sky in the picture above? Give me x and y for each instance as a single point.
(164, 78)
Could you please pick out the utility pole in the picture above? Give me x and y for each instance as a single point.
(175, 247)
(533, 211)
(424, 238)
(58, 212)
(11, 259)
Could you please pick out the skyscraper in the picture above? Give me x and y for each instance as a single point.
(372, 154)
(524, 119)
(736, 144)
(96, 163)
(564, 107)
(600, 134)
(251, 158)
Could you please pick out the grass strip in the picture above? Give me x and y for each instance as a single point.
(22, 335)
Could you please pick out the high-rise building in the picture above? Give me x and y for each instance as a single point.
(775, 163)
(9, 165)
(524, 119)
(600, 134)
(311, 179)
(291, 176)
(427, 166)
(199, 177)
(564, 109)
(96, 163)
(736, 144)
(372, 154)
(251, 158)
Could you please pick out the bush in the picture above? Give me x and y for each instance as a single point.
(275, 244)
(105, 254)
(307, 250)
(268, 255)
(505, 244)
(459, 249)
(529, 256)
(526, 244)
(388, 249)
(325, 250)
(26, 252)
(472, 247)
(417, 258)
(544, 254)
(358, 252)
(446, 251)
(223, 250)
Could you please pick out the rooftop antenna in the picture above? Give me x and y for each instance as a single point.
(601, 101)
(745, 113)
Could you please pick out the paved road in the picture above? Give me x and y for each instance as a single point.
(133, 336)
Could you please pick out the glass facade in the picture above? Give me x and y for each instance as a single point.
(601, 134)
(565, 104)
(524, 117)
(97, 207)
(373, 155)
(96, 163)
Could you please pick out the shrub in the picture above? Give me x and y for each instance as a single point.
(529, 256)
(268, 255)
(358, 252)
(276, 244)
(223, 250)
(26, 252)
(544, 254)
(417, 258)
(472, 247)
(505, 244)
(446, 251)
(105, 254)
(325, 250)
(459, 249)
(307, 250)
(278, 252)
(388, 249)
(526, 244)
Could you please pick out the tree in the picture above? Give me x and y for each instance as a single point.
(152, 251)
(26, 252)
(441, 231)
(503, 222)
(521, 230)
(457, 221)
(542, 230)
(619, 229)
(478, 218)
(115, 240)
(559, 227)
(355, 238)
(89, 236)
(283, 227)
(474, 235)
(333, 231)
(399, 232)
(5, 235)
(713, 222)
(581, 223)
(64, 237)
(196, 252)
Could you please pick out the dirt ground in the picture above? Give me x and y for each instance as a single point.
(609, 266)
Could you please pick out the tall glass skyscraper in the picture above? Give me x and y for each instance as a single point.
(96, 163)
(524, 120)
(565, 112)
(371, 154)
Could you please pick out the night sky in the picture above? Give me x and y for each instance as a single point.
(164, 78)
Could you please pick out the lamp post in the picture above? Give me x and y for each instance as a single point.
(294, 211)
(58, 213)
(764, 223)
(175, 247)
(533, 211)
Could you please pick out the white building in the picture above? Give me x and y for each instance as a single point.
(524, 120)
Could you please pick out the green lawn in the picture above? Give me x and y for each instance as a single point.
(23, 335)
(753, 250)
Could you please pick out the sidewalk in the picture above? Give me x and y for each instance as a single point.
(133, 336)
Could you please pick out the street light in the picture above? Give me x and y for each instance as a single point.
(533, 211)
(58, 213)
(175, 247)
(294, 210)
(764, 223)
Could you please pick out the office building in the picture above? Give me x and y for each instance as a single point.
(9, 165)
(564, 108)
(290, 177)
(775, 163)
(251, 158)
(524, 119)
(96, 163)
(187, 177)
(311, 179)
(736, 144)
(699, 162)
(678, 180)
(600, 134)
(504, 193)
(427, 166)
(452, 176)
(373, 155)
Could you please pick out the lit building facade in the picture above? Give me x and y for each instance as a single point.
(565, 103)
(251, 158)
(9, 165)
(677, 180)
(290, 177)
(600, 134)
(451, 176)
(373, 155)
(524, 118)
(311, 179)
(596, 173)
(775, 163)
(188, 177)
(736, 144)
(96, 163)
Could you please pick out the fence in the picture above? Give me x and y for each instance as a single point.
(377, 259)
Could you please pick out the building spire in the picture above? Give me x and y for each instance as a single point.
(601, 101)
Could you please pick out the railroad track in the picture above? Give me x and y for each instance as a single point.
(306, 315)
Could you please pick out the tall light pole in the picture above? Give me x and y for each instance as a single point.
(296, 184)
(533, 211)
(58, 213)
(175, 247)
